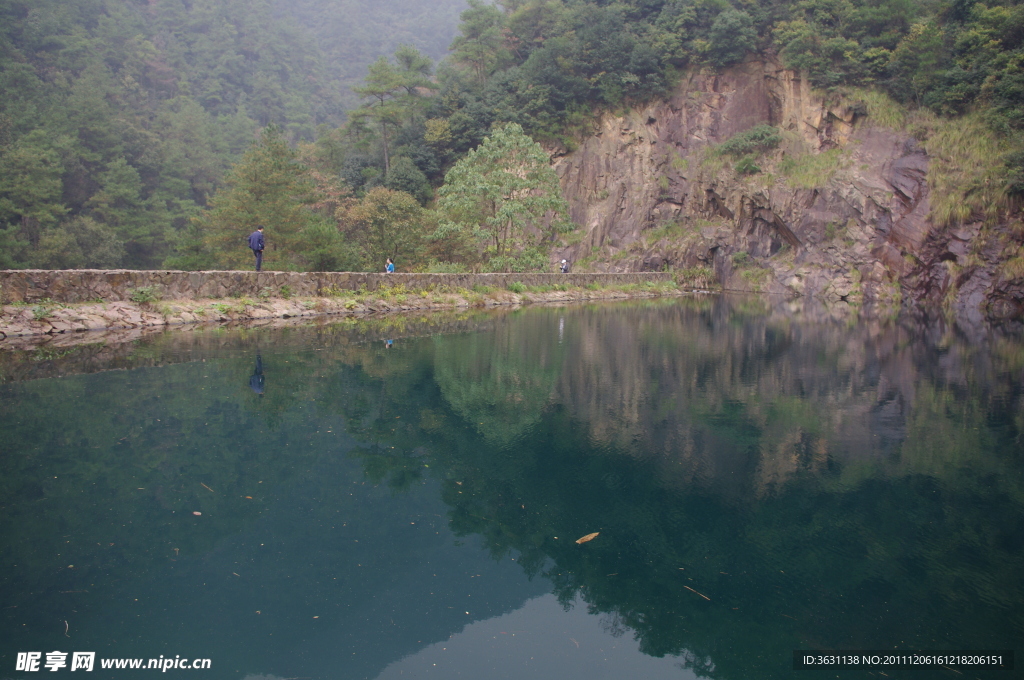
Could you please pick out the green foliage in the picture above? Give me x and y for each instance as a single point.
(120, 123)
(945, 57)
(391, 93)
(152, 106)
(696, 277)
(503, 192)
(1013, 268)
(731, 37)
(145, 295)
(269, 187)
(757, 140)
(1015, 173)
(286, 292)
(406, 177)
(351, 34)
(480, 42)
(747, 166)
(324, 249)
(129, 118)
(756, 276)
(385, 224)
(44, 308)
(517, 287)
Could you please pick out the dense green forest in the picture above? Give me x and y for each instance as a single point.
(121, 119)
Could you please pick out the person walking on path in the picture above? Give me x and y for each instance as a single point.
(257, 244)
(389, 268)
(565, 267)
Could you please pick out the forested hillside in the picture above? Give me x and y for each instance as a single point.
(121, 118)
(552, 67)
(351, 34)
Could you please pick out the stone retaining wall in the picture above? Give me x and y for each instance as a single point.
(85, 285)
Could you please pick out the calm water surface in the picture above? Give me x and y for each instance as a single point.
(402, 498)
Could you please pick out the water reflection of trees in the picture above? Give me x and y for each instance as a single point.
(824, 485)
(503, 380)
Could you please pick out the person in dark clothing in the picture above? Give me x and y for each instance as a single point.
(256, 381)
(565, 267)
(257, 244)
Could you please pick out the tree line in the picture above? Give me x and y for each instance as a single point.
(128, 135)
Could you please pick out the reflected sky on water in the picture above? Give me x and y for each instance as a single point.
(368, 499)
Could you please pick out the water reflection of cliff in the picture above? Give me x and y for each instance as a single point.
(711, 387)
(822, 484)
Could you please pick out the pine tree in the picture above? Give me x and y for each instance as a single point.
(267, 187)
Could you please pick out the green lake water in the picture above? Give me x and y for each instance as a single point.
(402, 498)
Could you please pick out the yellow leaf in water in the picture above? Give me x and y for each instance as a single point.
(588, 537)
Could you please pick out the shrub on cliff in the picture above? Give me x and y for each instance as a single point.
(756, 140)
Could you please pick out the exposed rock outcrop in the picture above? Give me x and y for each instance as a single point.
(840, 210)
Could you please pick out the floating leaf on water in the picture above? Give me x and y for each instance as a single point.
(588, 537)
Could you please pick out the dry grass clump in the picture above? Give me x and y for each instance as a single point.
(882, 110)
(812, 170)
(967, 172)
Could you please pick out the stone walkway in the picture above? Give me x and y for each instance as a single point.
(49, 319)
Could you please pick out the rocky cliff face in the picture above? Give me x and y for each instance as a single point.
(840, 210)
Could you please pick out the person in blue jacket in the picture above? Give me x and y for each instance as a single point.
(389, 267)
(257, 244)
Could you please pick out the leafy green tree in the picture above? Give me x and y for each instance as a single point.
(388, 223)
(732, 36)
(480, 42)
(507, 195)
(12, 249)
(190, 250)
(916, 61)
(405, 176)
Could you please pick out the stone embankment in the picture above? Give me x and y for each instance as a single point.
(52, 302)
(117, 285)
